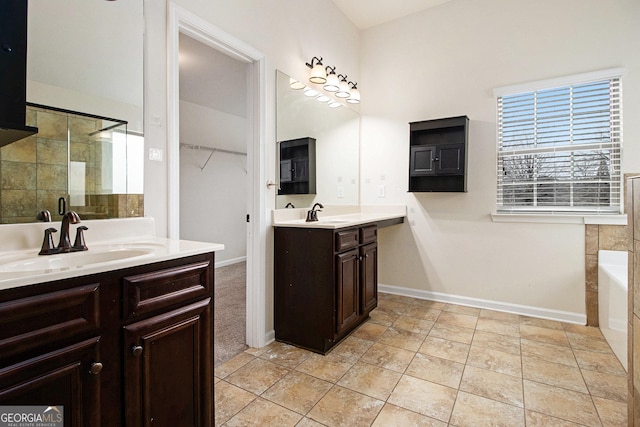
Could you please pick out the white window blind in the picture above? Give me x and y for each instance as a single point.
(559, 149)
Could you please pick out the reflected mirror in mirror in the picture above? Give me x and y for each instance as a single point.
(86, 57)
(336, 132)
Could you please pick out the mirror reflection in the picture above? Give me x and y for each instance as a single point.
(85, 90)
(335, 133)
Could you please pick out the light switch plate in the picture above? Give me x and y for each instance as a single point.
(155, 154)
(381, 191)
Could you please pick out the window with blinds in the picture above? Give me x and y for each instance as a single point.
(559, 149)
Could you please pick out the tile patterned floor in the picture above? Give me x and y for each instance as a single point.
(424, 363)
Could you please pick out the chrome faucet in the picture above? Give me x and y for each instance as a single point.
(312, 215)
(65, 243)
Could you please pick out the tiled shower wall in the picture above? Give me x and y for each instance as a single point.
(34, 171)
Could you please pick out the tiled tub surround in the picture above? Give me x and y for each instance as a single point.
(34, 171)
(418, 362)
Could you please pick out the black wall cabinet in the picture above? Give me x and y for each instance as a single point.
(298, 166)
(438, 155)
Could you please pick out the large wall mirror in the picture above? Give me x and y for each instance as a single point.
(336, 132)
(83, 57)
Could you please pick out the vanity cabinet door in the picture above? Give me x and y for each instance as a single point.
(68, 378)
(347, 290)
(369, 277)
(168, 375)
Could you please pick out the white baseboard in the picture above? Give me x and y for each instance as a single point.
(230, 261)
(525, 310)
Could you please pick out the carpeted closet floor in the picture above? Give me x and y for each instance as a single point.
(229, 311)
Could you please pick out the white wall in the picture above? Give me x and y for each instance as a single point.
(213, 201)
(284, 33)
(445, 62)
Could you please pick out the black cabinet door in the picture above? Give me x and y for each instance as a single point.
(286, 171)
(68, 378)
(347, 290)
(450, 159)
(168, 376)
(422, 161)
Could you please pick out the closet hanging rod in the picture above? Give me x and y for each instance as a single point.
(201, 147)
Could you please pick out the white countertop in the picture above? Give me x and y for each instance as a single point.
(113, 245)
(334, 217)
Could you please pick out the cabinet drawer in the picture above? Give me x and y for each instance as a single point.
(148, 292)
(346, 239)
(40, 320)
(369, 234)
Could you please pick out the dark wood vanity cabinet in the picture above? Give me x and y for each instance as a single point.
(130, 347)
(326, 283)
(438, 155)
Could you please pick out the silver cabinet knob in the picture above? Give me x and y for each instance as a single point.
(96, 367)
(136, 350)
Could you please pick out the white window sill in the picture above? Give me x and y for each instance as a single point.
(561, 218)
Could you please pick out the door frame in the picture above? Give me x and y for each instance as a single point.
(181, 20)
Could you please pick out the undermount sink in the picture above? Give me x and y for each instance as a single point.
(32, 262)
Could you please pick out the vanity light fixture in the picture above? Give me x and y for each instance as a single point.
(310, 92)
(354, 94)
(343, 87)
(295, 84)
(318, 73)
(333, 82)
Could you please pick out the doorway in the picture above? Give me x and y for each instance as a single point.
(183, 22)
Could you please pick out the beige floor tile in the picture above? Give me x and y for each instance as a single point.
(388, 357)
(297, 392)
(445, 349)
(462, 309)
(325, 367)
(437, 370)
(451, 332)
(403, 339)
(548, 352)
(498, 326)
(233, 364)
(608, 386)
(583, 330)
(561, 403)
(422, 313)
(369, 331)
(476, 411)
(542, 323)
(588, 343)
(546, 335)
(371, 380)
(428, 304)
(490, 340)
(229, 400)
(261, 412)
(308, 422)
(285, 355)
(536, 419)
(382, 317)
(257, 375)
(392, 306)
(394, 416)
(612, 413)
(258, 351)
(492, 385)
(412, 324)
(458, 319)
(427, 398)
(500, 315)
(495, 360)
(399, 298)
(343, 407)
(351, 349)
(555, 374)
(606, 363)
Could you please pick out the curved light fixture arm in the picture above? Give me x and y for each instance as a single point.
(317, 61)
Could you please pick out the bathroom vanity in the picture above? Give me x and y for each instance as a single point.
(326, 276)
(125, 342)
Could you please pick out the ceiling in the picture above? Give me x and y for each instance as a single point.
(368, 13)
